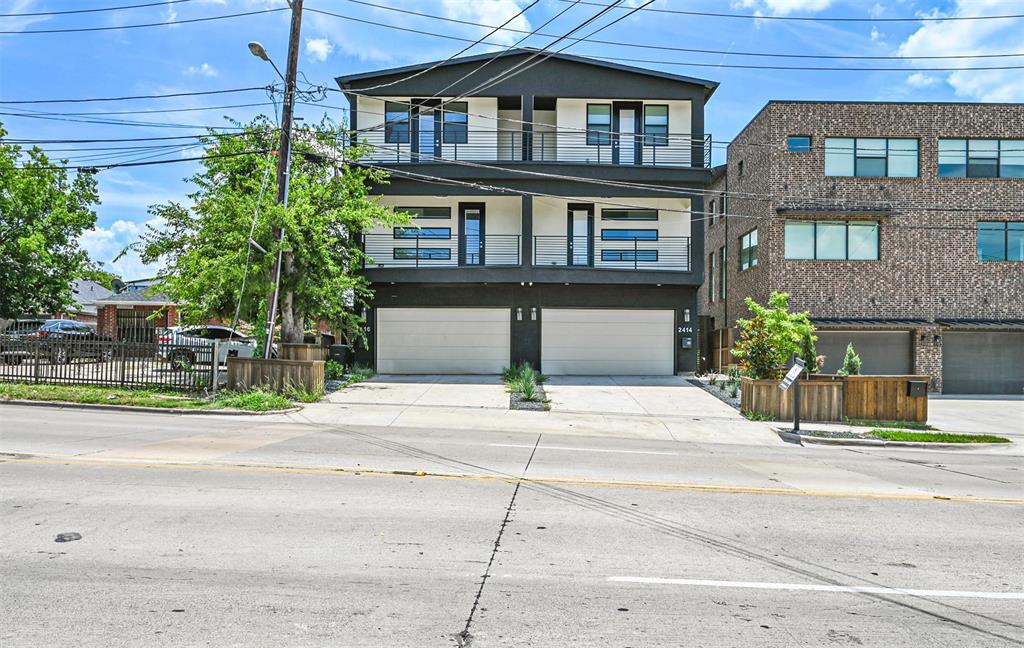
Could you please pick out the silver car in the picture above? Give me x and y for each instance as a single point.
(192, 345)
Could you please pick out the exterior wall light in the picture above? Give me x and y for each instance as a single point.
(686, 314)
(519, 314)
(533, 313)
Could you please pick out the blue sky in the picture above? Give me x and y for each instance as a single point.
(183, 57)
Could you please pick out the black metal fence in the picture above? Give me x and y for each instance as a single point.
(177, 364)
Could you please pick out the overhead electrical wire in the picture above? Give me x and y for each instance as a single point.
(167, 23)
(689, 50)
(132, 97)
(29, 14)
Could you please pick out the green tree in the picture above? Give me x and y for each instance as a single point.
(204, 249)
(851, 363)
(771, 336)
(100, 276)
(43, 213)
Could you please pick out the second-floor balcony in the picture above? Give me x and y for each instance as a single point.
(545, 146)
(430, 248)
(670, 253)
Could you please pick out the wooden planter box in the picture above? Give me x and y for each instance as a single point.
(275, 375)
(300, 351)
(826, 397)
(819, 400)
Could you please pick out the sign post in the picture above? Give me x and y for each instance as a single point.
(793, 378)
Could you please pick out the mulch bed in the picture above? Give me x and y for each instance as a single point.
(516, 402)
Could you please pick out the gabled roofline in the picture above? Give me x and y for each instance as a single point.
(344, 82)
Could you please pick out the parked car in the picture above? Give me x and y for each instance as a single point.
(66, 340)
(12, 349)
(191, 345)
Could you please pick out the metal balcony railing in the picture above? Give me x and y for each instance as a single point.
(412, 250)
(670, 253)
(673, 149)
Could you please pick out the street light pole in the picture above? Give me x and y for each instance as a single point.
(284, 161)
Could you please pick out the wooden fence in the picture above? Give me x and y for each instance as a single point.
(837, 398)
(275, 375)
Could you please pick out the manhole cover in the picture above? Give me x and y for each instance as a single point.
(68, 537)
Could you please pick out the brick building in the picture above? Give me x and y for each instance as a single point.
(899, 226)
(129, 314)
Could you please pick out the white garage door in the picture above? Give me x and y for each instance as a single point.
(443, 340)
(587, 342)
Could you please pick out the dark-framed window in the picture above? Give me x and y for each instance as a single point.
(426, 212)
(712, 276)
(798, 144)
(656, 125)
(981, 158)
(871, 157)
(431, 254)
(721, 273)
(599, 124)
(831, 240)
(1000, 241)
(422, 232)
(629, 214)
(396, 122)
(711, 215)
(629, 235)
(629, 255)
(748, 250)
(456, 123)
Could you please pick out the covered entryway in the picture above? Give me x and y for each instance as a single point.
(442, 340)
(982, 362)
(887, 353)
(619, 342)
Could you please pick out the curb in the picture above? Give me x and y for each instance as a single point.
(145, 410)
(881, 443)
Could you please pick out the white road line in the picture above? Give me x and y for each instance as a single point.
(847, 589)
(544, 447)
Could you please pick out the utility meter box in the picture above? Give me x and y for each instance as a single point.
(917, 388)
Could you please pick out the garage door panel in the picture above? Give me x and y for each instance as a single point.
(607, 341)
(443, 340)
(982, 362)
(885, 353)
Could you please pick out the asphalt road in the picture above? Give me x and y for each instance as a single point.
(203, 531)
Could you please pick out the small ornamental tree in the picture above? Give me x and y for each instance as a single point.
(851, 363)
(772, 336)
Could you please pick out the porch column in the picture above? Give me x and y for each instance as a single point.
(526, 235)
(927, 344)
(527, 110)
(106, 320)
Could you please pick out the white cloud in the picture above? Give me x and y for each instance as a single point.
(24, 22)
(783, 7)
(973, 37)
(205, 69)
(921, 80)
(104, 244)
(874, 34)
(318, 49)
(489, 12)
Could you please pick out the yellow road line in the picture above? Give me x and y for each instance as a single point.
(549, 481)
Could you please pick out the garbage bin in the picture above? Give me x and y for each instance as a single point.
(340, 353)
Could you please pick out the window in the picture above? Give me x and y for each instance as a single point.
(981, 158)
(432, 254)
(423, 232)
(456, 123)
(739, 169)
(629, 235)
(655, 125)
(871, 157)
(711, 216)
(599, 124)
(629, 255)
(798, 144)
(426, 212)
(1000, 241)
(630, 214)
(721, 272)
(825, 240)
(748, 250)
(712, 271)
(396, 123)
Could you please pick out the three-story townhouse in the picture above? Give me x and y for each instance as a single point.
(556, 215)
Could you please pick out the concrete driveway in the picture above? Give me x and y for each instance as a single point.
(638, 395)
(426, 391)
(1000, 415)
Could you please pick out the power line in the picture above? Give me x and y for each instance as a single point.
(620, 59)
(146, 163)
(684, 49)
(817, 18)
(138, 26)
(158, 110)
(97, 10)
(155, 96)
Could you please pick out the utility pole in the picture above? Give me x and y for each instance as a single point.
(284, 162)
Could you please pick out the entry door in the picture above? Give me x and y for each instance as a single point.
(626, 123)
(471, 234)
(427, 131)
(580, 239)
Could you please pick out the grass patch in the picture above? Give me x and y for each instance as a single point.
(357, 373)
(254, 401)
(757, 416)
(902, 425)
(524, 380)
(935, 437)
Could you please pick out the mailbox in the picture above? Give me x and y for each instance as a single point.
(917, 388)
(686, 342)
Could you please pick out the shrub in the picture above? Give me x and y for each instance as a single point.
(734, 388)
(302, 395)
(334, 370)
(359, 373)
(256, 400)
(851, 363)
(772, 336)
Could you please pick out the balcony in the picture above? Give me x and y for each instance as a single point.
(424, 251)
(545, 146)
(668, 253)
